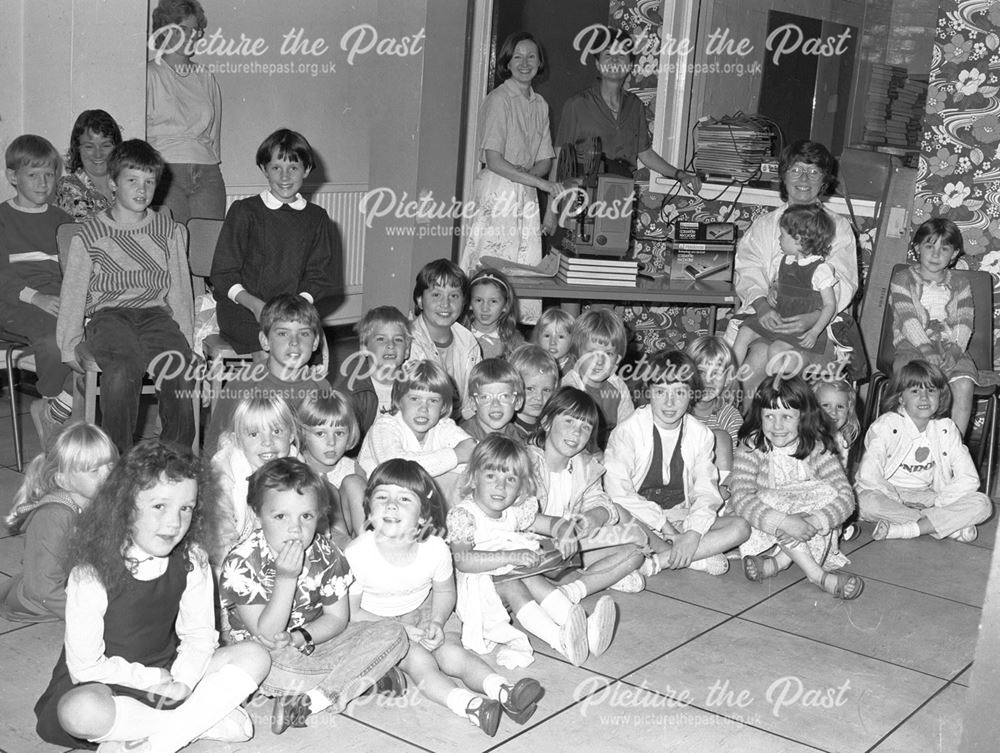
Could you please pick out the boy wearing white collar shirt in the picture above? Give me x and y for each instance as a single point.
(274, 243)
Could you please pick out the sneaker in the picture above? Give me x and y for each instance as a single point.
(850, 532)
(485, 714)
(234, 727)
(392, 684)
(521, 699)
(573, 636)
(651, 565)
(45, 425)
(966, 535)
(717, 564)
(601, 625)
(632, 583)
(125, 746)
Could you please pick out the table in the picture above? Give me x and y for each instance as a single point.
(660, 291)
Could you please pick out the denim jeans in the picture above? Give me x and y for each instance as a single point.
(191, 190)
(343, 667)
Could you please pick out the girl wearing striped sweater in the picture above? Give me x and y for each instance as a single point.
(933, 313)
(788, 483)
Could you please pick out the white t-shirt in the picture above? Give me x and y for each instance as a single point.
(917, 471)
(388, 590)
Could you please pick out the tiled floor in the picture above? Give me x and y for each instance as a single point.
(700, 664)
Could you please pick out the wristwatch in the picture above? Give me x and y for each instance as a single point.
(308, 647)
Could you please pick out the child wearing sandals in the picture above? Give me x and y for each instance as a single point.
(660, 471)
(573, 507)
(488, 533)
(403, 570)
(916, 477)
(328, 428)
(286, 588)
(141, 670)
(790, 486)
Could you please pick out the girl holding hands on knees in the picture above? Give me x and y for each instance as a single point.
(141, 670)
(574, 509)
(916, 477)
(933, 313)
(790, 486)
(489, 535)
(287, 588)
(660, 472)
(492, 315)
(403, 570)
(57, 487)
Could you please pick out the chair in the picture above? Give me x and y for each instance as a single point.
(203, 235)
(981, 351)
(16, 357)
(91, 371)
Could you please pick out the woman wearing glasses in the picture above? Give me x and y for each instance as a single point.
(184, 114)
(808, 175)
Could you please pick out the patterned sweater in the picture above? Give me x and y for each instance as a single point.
(113, 265)
(910, 319)
(750, 473)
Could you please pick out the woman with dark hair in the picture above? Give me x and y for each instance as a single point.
(516, 145)
(184, 114)
(84, 190)
(808, 174)
(615, 116)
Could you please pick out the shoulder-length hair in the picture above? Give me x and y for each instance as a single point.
(575, 403)
(409, 474)
(795, 393)
(917, 374)
(507, 53)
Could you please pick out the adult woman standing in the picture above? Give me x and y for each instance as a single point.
(184, 114)
(85, 190)
(516, 145)
(808, 174)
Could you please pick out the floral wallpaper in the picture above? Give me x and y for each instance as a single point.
(959, 171)
(655, 328)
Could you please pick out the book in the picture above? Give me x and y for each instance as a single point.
(613, 282)
(568, 261)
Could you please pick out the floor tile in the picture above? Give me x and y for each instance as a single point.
(936, 728)
(635, 644)
(988, 531)
(424, 723)
(965, 678)
(791, 686)
(27, 655)
(10, 482)
(947, 568)
(730, 593)
(621, 717)
(880, 624)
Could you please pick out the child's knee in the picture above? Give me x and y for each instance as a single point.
(87, 711)
(251, 657)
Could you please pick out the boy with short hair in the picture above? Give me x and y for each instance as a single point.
(539, 373)
(497, 391)
(290, 332)
(127, 270)
(30, 277)
(368, 375)
(599, 341)
(274, 243)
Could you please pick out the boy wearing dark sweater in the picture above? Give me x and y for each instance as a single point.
(29, 272)
(127, 270)
(274, 243)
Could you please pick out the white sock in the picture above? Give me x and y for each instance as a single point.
(318, 700)
(458, 701)
(493, 684)
(723, 477)
(909, 530)
(133, 721)
(215, 696)
(537, 622)
(557, 606)
(575, 591)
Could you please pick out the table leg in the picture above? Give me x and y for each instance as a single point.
(713, 315)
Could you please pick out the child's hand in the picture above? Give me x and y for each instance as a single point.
(47, 303)
(463, 450)
(566, 536)
(523, 558)
(277, 641)
(770, 320)
(415, 633)
(172, 690)
(290, 559)
(433, 636)
(682, 553)
(808, 339)
(796, 528)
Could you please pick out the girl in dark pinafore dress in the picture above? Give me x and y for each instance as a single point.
(803, 283)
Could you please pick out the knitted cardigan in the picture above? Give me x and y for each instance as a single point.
(910, 318)
(750, 475)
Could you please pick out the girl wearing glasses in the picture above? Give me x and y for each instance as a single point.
(808, 175)
(184, 114)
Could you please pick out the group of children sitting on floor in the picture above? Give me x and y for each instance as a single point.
(344, 525)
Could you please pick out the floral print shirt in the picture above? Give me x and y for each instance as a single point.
(248, 576)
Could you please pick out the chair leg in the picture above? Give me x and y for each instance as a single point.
(90, 398)
(15, 419)
(990, 431)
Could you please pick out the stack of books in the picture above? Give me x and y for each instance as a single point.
(702, 251)
(732, 148)
(598, 270)
(894, 107)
